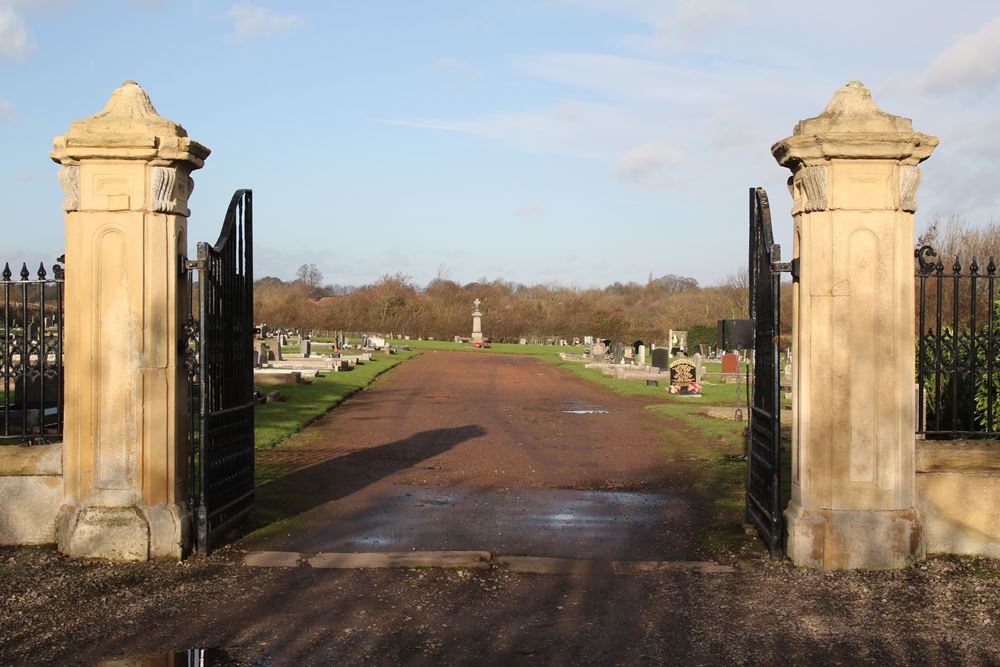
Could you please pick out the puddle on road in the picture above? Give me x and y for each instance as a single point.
(195, 657)
(568, 523)
(585, 412)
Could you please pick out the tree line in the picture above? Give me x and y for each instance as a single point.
(443, 308)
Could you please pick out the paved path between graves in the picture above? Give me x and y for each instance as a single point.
(498, 453)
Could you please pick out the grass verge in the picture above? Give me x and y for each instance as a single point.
(276, 421)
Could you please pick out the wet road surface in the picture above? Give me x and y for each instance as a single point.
(464, 451)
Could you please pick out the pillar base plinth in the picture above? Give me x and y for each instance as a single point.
(827, 539)
(123, 533)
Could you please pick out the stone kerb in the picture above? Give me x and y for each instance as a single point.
(126, 182)
(854, 181)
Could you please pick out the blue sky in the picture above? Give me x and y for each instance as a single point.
(571, 141)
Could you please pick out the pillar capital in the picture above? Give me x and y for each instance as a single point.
(853, 127)
(854, 156)
(153, 158)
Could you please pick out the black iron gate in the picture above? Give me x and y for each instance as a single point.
(764, 446)
(222, 465)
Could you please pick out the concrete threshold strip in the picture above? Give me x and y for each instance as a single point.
(476, 560)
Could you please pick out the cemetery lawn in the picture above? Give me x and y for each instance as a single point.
(276, 421)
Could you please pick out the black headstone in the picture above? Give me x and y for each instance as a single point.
(660, 358)
(735, 335)
(683, 379)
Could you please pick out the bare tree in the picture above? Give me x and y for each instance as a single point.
(309, 274)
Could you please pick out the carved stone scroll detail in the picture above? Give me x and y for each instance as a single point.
(162, 189)
(909, 181)
(814, 186)
(69, 179)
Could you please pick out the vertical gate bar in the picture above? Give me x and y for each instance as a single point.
(8, 349)
(939, 282)
(973, 333)
(25, 348)
(777, 534)
(955, 365)
(60, 391)
(43, 357)
(921, 354)
(248, 287)
(752, 269)
(193, 406)
(204, 379)
(990, 344)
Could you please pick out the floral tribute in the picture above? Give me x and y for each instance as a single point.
(683, 378)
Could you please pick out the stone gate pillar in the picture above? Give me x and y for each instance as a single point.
(125, 176)
(854, 181)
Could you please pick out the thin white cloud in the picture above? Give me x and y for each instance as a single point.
(14, 43)
(254, 23)
(39, 4)
(672, 26)
(528, 210)
(574, 128)
(627, 78)
(652, 165)
(6, 112)
(972, 62)
(467, 71)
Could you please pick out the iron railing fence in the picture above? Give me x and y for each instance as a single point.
(957, 348)
(31, 355)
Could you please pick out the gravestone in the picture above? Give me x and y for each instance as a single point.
(660, 358)
(619, 353)
(642, 355)
(699, 368)
(477, 331)
(523, 341)
(306, 347)
(683, 378)
(598, 351)
(588, 340)
(261, 353)
(730, 363)
(734, 335)
(677, 339)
